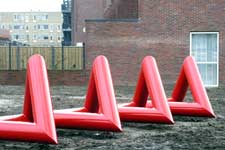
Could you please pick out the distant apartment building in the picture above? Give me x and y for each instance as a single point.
(33, 28)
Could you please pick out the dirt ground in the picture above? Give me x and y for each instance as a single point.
(187, 132)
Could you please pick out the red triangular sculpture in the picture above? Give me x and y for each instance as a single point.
(190, 75)
(100, 111)
(149, 84)
(36, 123)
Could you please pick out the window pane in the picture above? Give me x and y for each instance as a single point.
(204, 50)
(212, 48)
(204, 47)
(203, 72)
(208, 73)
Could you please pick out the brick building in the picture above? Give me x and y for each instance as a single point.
(81, 10)
(99, 9)
(127, 30)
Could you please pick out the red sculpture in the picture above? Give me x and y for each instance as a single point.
(100, 111)
(36, 123)
(149, 84)
(190, 75)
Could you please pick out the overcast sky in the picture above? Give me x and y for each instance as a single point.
(28, 5)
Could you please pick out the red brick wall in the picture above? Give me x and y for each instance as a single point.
(81, 10)
(124, 46)
(162, 31)
(122, 9)
(96, 9)
(55, 77)
(127, 9)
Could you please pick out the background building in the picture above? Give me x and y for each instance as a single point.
(81, 10)
(33, 28)
(99, 9)
(127, 30)
(66, 27)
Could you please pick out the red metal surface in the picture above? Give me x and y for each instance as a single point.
(190, 76)
(149, 85)
(100, 111)
(36, 123)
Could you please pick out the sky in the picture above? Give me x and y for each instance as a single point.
(30, 5)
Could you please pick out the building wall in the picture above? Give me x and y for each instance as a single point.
(55, 77)
(121, 9)
(163, 31)
(81, 10)
(99, 9)
(27, 27)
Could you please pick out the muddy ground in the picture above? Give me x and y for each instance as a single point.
(187, 132)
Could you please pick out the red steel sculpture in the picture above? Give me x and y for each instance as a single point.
(190, 76)
(149, 84)
(36, 123)
(100, 111)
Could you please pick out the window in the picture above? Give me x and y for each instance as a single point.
(22, 37)
(42, 37)
(42, 27)
(45, 27)
(42, 17)
(204, 47)
(19, 37)
(58, 27)
(45, 37)
(17, 27)
(34, 37)
(15, 37)
(27, 18)
(28, 38)
(51, 28)
(18, 17)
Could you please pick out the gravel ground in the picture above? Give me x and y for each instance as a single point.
(187, 132)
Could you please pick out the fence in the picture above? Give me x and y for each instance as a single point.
(56, 58)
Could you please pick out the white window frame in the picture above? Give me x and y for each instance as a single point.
(217, 34)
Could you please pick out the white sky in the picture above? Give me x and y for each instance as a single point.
(28, 5)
